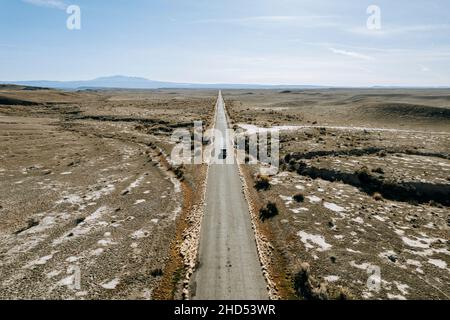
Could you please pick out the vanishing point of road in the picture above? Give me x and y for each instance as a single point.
(229, 266)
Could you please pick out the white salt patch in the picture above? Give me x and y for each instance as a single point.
(358, 220)
(331, 278)
(105, 242)
(299, 187)
(403, 288)
(40, 261)
(316, 239)
(45, 224)
(339, 236)
(333, 207)
(423, 243)
(71, 198)
(395, 297)
(415, 263)
(67, 281)
(96, 215)
(134, 184)
(382, 219)
(97, 252)
(353, 251)
(139, 201)
(155, 221)
(387, 254)
(66, 173)
(288, 200)
(53, 273)
(362, 266)
(111, 284)
(95, 195)
(430, 225)
(72, 259)
(252, 129)
(139, 234)
(313, 199)
(438, 263)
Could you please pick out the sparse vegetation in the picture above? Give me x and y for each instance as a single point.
(97, 166)
(378, 170)
(178, 171)
(377, 196)
(309, 288)
(156, 272)
(262, 182)
(269, 211)
(362, 178)
(299, 197)
(363, 174)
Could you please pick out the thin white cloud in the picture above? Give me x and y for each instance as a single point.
(305, 21)
(399, 30)
(351, 54)
(55, 4)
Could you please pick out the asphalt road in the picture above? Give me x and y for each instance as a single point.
(229, 267)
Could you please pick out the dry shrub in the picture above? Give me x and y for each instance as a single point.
(377, 196)
(309, 288)
(269, 211)
(363, 174)
(262, 182)
(299, 197)
(378, 170)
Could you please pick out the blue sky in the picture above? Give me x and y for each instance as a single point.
(324, 42)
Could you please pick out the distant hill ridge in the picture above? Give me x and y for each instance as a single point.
(126, 82)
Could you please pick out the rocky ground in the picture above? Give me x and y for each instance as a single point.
(90, 204)
(363, 187)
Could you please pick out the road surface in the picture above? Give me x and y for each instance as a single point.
(229, 266)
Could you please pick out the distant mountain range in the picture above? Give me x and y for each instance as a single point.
(124, 82)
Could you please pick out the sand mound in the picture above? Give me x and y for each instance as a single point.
(15, 102)
(405, 110)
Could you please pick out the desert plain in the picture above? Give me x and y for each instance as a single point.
(92, 207)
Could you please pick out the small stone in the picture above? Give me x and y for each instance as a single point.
(393, 258)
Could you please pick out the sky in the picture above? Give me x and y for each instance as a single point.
(309, 42)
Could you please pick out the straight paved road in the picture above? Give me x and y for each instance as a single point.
(229, 265)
